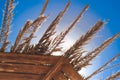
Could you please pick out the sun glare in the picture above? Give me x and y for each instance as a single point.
(66, 45)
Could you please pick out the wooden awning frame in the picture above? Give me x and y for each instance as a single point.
(36, 67)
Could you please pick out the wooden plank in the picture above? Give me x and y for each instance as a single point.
(35, 69)
(71, 73)
(59, 76)
(32, 59)
(55, 69)
(15, 76)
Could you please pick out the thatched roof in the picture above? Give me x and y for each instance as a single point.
(47, 44)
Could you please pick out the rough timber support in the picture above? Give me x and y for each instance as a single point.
(36, 67)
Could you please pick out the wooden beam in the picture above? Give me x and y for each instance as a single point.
(59, 76)
(15, 76)
(71, 73)
(23, 68)
(31, 59)
(55, 69)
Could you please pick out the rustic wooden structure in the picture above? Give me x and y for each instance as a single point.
(36, 67)
(24, 61)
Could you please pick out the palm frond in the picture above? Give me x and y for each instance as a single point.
(84, 61)
(29, 29)
(114, 76)
(84, 39)
(44, 7)
(45, 40)
(58, 39)
(8, 14)
(20, 36)
(102, 67)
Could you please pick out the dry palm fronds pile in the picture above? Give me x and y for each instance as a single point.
(47, 44)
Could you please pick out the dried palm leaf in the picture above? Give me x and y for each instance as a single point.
(57, 41)
(8, 14)
(102, 67)
(110, 67)
(45, 40)
(84, 39)
(28, 32)
(36, 24)
(44, 8)
(90, 56)
(4, 21)
(20, 36)
(114, 76)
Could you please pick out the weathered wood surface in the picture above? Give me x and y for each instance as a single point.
(16, 76)
(35, 67)
(59, 76)
(30, 59)
(23, 68)
(71, 73)
(55, 69)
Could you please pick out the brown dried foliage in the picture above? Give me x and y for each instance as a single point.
(114, 76)
(48, 45)
(102, 67)
(84, 39)
(85, 61)
(44, 42)
(22, 41)
(8, 14)
(58, 39)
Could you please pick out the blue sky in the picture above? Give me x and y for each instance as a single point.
(99, 10)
